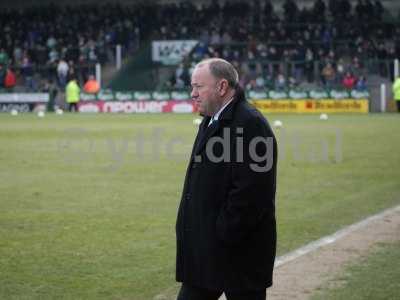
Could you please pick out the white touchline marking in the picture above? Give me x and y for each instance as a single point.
(326, 240)
(329, 239)
(310, 247)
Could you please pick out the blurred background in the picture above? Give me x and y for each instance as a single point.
(128, 46)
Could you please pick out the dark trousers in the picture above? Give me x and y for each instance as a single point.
(398, 105)
(73, 107)
(194, 293)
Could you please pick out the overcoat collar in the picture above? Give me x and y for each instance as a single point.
(205, 131)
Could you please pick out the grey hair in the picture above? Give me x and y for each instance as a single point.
(222, 69)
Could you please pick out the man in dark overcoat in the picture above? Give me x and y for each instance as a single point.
(226, 227)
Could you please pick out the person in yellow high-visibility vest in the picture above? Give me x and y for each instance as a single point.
(396, 92)
(72, 94)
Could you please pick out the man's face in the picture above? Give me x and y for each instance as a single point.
(204, 91)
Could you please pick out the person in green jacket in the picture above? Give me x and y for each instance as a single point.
(72, 94)
(4, 60)
(396, 92)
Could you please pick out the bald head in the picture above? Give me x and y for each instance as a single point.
(221, 69)
(213, 83)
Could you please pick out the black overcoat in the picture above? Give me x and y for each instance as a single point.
(226, 228)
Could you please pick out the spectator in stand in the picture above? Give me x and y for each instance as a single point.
(290, 10)
(41, 56)
(378, 10)
(251, 85)
(328, 75)
(293, 83)
(17, 54)
(319, 10)
(280, 82)
(356, 67)
(382, 55)
(27, 72)
(3, 73)
(268, 9)
(334, 8)
(215, 38)
(269, 82)
(182, 77)
(391, 56)
(369, 9)
(10, 80)
(340, 70)
(71, 70)
(309, 65)
(260, 82)
(51, 42)
(359, 9)
(361, 84)
(349, 81)
(199, 51)
(4, 60)
(53, 56)
(344, 9)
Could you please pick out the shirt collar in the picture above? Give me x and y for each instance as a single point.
(216, 116)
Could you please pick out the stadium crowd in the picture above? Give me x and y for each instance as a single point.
(271, 46)
(326, 44)
(53, 43)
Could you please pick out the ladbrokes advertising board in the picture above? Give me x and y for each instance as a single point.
(312, 106)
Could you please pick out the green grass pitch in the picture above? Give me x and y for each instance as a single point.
(375, 277)
(88, 202)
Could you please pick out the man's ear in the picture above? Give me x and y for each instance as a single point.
(223, 88)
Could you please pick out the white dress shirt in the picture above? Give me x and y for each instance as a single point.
(216, 116)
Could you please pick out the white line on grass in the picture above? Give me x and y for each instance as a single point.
(310, 247)
(329, 239)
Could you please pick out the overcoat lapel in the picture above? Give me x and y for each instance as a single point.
(200, 133)
(207, 132)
